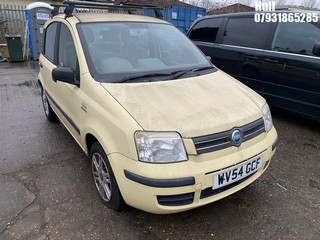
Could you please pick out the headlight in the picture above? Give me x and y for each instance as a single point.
(267, 117)
(160, 147)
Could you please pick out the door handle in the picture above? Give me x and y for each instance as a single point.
(40, 64)
(271, 60)
(252, 58)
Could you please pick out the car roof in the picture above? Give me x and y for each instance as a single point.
(111, 17)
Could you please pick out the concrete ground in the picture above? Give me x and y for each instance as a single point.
(46, 191)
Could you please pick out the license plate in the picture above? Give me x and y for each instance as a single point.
(237, 173)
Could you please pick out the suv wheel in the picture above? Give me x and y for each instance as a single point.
(104, 179)
(50, 114)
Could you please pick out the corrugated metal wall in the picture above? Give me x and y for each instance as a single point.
(12, 20)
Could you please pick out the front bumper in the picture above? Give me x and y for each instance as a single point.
(176, 187)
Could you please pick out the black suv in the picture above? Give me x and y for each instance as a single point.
(280, 60)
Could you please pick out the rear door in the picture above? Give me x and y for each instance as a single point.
(298, 89)
(48, 61)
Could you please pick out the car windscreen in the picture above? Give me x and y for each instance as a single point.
(139, 51)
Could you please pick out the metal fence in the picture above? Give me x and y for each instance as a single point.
(12, 20)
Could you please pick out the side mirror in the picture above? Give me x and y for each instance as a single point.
(64, 74)
(316, 49)
(209, 58)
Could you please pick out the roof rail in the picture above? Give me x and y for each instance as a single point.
(71, 5)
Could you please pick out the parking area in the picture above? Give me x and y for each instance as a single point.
(46, 191)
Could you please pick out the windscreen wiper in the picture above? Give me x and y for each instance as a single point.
(171, 75)
(181, 73)
(141, 76)
(202, 68)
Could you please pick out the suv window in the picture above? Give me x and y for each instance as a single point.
(206, 30)
(245, 32)
(297, 38)
(67, 51)
(50, 41)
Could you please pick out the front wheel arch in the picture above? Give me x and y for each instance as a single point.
(104, 178)
(90, 140)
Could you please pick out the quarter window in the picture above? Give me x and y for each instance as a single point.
(297, 38)
(245, 32)
(49, 49)
(206, 30)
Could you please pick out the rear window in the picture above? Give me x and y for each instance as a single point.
(245, 32)
(299, 38)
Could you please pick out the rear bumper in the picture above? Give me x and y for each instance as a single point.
(176, 187)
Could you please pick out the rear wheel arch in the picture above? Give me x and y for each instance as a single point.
(50, 114)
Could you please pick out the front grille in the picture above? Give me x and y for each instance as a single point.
(222, 140)
(176, 200)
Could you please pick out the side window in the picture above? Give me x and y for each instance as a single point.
(67, 50)
(245, 32)
(297, 38)
(206, 30)
(49, 49)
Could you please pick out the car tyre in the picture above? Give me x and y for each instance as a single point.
(50, 114)
(104, 179)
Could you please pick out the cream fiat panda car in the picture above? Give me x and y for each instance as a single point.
(165, 130)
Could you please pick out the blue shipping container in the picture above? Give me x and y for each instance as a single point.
(181, 17)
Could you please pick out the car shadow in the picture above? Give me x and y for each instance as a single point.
(295, 119)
